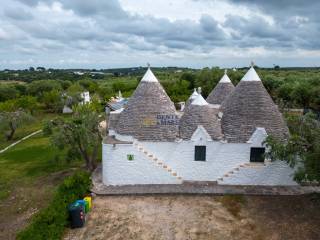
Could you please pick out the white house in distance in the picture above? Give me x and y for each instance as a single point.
(67, 108)
(219, 140)
(85, 96)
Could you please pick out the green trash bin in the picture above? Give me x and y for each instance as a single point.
(86, 207)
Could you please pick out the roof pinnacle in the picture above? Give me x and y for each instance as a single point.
(199, 90)
(225, 78)
(199, 100)
(251, 74)
(149, 76)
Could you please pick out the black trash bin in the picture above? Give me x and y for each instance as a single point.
(76, 214)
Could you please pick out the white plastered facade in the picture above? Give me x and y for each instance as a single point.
(226, 163)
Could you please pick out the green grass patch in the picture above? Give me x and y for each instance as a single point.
(27, 129)
(28, 160)
(50, 222)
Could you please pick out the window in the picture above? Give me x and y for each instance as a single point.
(130, 157)
(200, 153)
(257, 154)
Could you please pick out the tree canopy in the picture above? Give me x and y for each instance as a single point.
(12, 117)
(79, 135)
(302, 150)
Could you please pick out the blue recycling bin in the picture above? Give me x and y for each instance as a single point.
(82, 203)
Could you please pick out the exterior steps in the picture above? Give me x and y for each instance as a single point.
(238, 168)
(157, 161)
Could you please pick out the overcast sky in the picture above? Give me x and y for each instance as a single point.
(191, 33)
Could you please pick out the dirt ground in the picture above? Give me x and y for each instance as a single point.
(201, 217)
(24, 201)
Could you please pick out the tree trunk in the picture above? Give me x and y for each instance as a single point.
(87, 160)
(90, 160)
(94, 158)
(91, 165)
(11, 133)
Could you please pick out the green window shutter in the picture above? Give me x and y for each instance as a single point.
(130, 157)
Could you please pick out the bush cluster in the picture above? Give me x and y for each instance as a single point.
(50, 222)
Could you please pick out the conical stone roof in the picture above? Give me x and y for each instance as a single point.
(221, 91)
(250, 106)
(198, 113)
(149, 115)
(192, 97)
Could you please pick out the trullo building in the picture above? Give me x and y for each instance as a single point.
(219, 140)
(221, 91)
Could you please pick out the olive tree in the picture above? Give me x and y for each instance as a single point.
(79, 135)
(302, 149)
(12, 117)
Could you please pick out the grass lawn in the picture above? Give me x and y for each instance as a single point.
(25, 130)
(29, 173)
(29, 160)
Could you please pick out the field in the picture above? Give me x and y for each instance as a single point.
(201, 217)
(29, 172)
(24, 130)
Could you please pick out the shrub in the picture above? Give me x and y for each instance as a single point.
(50, 222)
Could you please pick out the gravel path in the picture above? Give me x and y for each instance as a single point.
(19, 141)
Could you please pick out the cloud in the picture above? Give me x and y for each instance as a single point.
(18, 13)
(104, 32)
(109, 8)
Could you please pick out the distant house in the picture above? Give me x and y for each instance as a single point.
(220, 140)
(66, 109)
(78, 73)
(97, 73)
(85, 96)
(69, 101)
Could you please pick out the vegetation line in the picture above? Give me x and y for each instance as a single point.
(22, 139)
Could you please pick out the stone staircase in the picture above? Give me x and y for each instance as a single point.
(238, 168)
(157, 161)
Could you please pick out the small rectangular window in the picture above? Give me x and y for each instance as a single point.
(200, 153)
(257, 154)
(130, 157)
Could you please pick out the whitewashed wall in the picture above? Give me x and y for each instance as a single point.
(118, 170)
(220, 158)
(275, 173)
(179, 156)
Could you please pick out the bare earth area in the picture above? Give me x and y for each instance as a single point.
(201, 217)
(24, 201)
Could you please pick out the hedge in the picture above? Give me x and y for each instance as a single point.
(50, 222)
